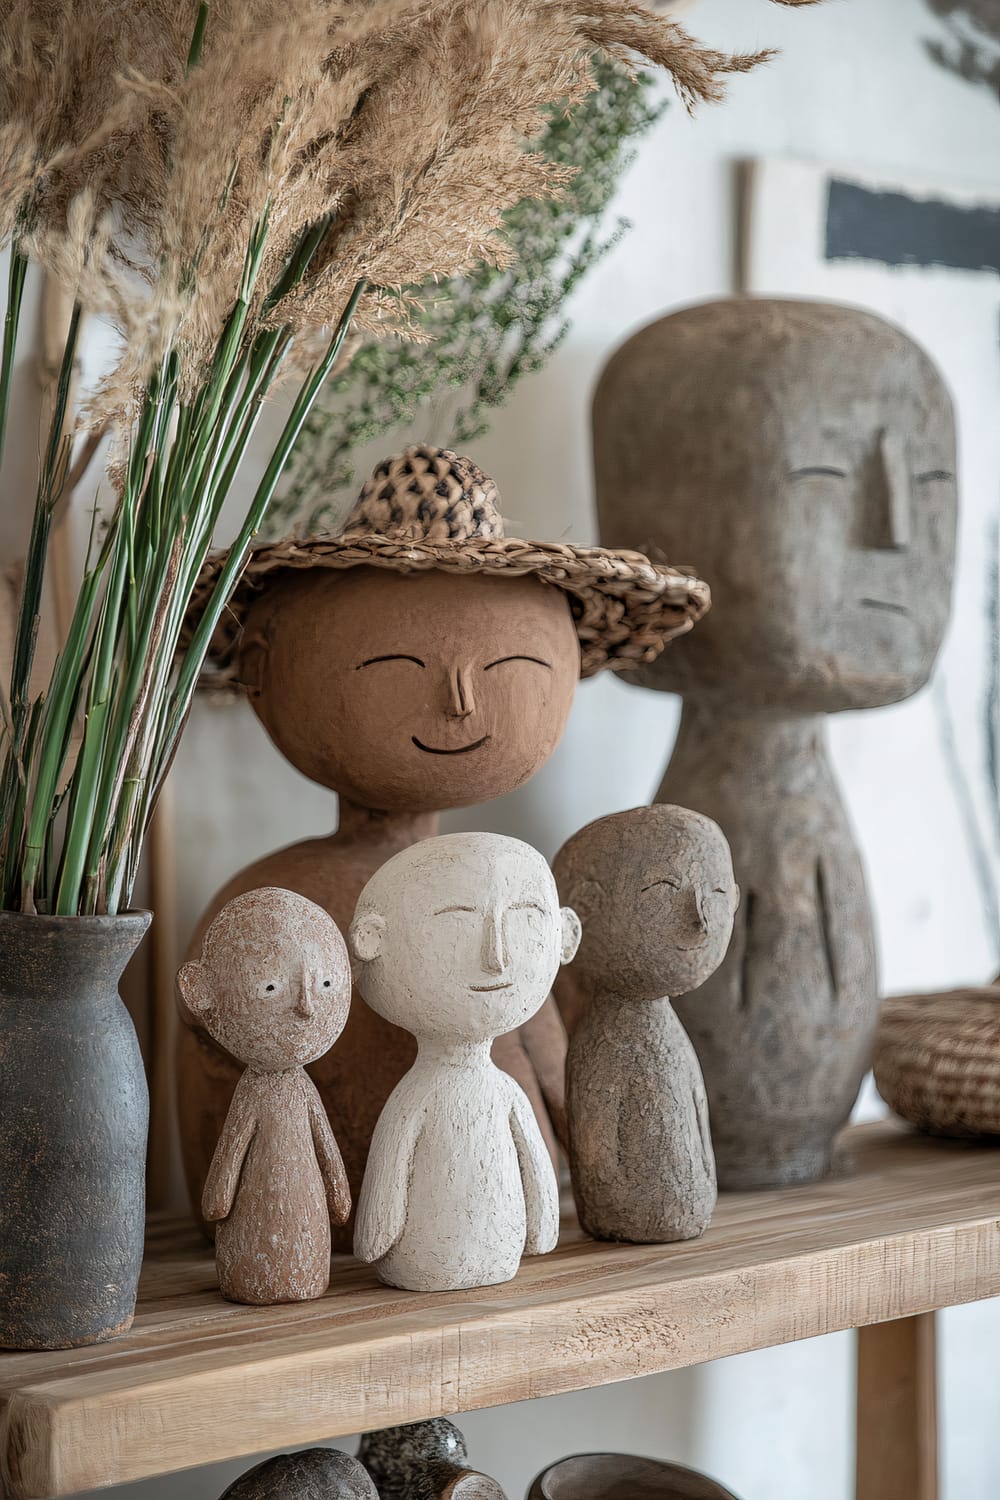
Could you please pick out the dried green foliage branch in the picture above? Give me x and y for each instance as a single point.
(233, 185)
(482, 332)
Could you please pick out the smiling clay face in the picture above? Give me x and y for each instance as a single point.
(804, 455)
(460, 937)
(412, 692)
(656, 896)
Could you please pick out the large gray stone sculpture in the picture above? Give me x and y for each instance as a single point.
(804, 454)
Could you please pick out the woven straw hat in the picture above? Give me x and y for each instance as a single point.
(937, 1060)
(429, 509)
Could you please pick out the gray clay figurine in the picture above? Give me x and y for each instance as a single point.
(273, 986)
(315, 1474)
(424, 1461)
(806, 454)
(655, 893)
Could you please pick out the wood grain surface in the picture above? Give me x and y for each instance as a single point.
(912, 1224)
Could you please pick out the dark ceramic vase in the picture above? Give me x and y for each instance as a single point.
(74, 1113)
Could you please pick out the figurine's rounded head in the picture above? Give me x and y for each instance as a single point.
(803, 455)
(273, 984)
(656, 895)
(460, 937)
(412, 692)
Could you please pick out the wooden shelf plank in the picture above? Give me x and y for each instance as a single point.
(908, 1225)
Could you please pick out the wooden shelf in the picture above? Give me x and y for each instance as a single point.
(907, 1226)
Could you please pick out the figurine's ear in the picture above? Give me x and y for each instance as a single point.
(586, 897)
(196, 991)
(572, 932)
(367, 932)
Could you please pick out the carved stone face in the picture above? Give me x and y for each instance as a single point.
(460, 937)
(413, 692)
(804, 456)
(273, 985)
(656, 896)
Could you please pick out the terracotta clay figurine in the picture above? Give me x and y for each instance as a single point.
(458, 939)
(617, 1476)
(424, 1461)
(655, 894)
(314, 1474)
(422, 660)
(806, 453)
(273, 986)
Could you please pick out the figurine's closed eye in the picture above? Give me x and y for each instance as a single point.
(445, 909)
(814, 471)
(501, 659)
(665, 880)
(528, 906)
(392, 656)
(932, 476)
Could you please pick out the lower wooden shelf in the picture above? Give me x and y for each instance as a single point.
(908, 1225)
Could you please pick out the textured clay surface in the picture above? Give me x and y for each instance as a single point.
(405, 695)
(458, 939)
(806, 454)
(273, 987)
(655, 893)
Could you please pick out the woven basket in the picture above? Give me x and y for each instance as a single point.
(937, 1060)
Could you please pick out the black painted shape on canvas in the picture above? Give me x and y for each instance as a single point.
(864, 224)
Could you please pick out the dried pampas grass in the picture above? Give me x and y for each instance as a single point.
(398, 126)
(232, 184)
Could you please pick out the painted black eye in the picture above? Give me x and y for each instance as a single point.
(269, 988)
(326, 984)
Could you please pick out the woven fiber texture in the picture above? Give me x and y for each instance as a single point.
(428, 508)
(937, 1060)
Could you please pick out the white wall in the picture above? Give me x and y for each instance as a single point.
(852, 85)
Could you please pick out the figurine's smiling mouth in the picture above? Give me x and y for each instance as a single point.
(461, 750)
(483, 989)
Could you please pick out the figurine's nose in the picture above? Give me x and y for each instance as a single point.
(494, 958)
(890, 526)
(461, 700)
(303, 994)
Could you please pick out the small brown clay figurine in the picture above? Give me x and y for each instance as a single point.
(655, 893)
(807, 451)
(273, 987)
(458, 939)
(314, 1474)
(424, 1461)
(418, 661)
(617, 1476)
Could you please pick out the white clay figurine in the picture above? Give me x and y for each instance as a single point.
(458, 939)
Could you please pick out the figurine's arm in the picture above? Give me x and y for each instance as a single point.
(541, 1191)
(331, 1163)
(382, 1202)
(227, 1163)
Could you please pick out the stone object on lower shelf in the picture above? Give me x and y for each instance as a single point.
(424, 1461)
(314, 1474)
(618, 1476)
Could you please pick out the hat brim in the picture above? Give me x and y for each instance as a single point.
(625, 607)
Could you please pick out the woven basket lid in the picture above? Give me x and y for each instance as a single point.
(429, 508)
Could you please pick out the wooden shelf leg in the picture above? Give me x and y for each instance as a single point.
(897, 1456)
